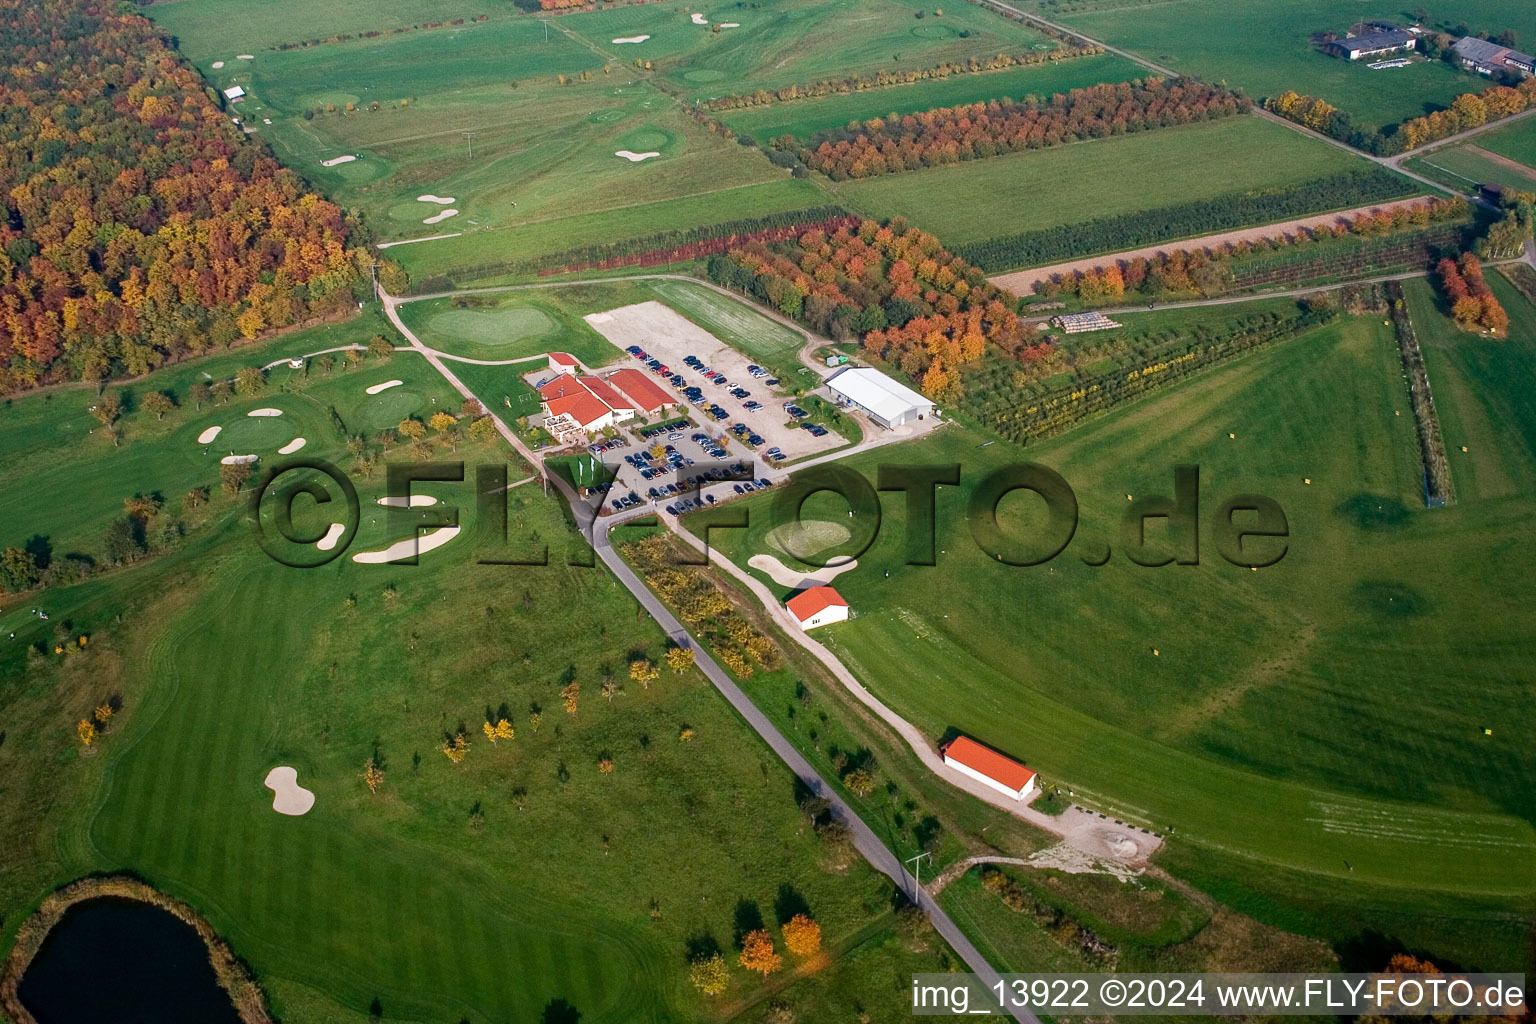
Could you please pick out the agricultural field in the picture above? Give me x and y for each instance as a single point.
(1229, 662)
(1264, 48)
(1045, 188)
(348, 904)
(803, 118)
(1506, 156)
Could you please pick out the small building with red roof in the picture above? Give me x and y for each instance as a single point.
(991, 769)
(818, 606)
(640, 390)
(563, 362)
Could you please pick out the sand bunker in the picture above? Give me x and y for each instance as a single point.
(399, 501)
(333, 161)
(217, 64)
(632, 39)
(635, 158)
(235, 460)
(699, 19)
(408, 547)
(245, 56)
(292, 446)
(730, 24)
(784, 576)
(331, 536)
(808, 537)
(383, 387)
(265, 412)
(288, 796)
(439, 200)
(208, 435)
(438, 217)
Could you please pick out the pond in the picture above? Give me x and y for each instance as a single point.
(114, 961)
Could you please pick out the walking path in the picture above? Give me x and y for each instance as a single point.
(865, 840)
(1022, 282)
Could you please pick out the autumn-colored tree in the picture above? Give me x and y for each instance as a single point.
(570, 696)
(489, 728)
(103, 713)
(87, 731)
(680, 659)
(482, 429)
(456, 748)
(535, 719)
(373, 775)
(249, 382)
(802, 936)
(233, 475)
(757, 953)
(107, 408)
(380, 348)
(935, 380)
(605, 765)
(860, 782)
(504, 730)
(159, 403)
(709, 974)
(443, 422)
(685, 734)
(411, 428)
(643, 672)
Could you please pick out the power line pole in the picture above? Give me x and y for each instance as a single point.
(917, 869)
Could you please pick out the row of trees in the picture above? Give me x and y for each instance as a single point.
(1472, 302)
(1198, 217)
(140, 224)
(374, 33)
(646, 250)
(856, 82)
(974, 131)
(1469, 110)
(908, 299)
(1207, 269)
(739, 645)
(802, 936)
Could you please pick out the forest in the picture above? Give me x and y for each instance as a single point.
(951, 134)
(912, 302)
(142, 224)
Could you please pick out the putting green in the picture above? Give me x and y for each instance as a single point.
(935, 32)
(493, 327)
(258, 434)
(609, 116)
(702, 76)
(361, 172)
(808, 537)
(384, 410)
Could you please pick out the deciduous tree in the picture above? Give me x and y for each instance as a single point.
(757, 953)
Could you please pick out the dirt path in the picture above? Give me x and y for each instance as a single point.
(1022, 282)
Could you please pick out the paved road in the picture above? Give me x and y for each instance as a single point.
(868, 844)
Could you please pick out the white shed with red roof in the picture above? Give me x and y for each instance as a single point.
(988, 767)
(817, 606)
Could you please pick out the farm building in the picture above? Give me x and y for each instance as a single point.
(887, 402)
(1372, 44)
(563, 362)
(575, 405)
(988, 767)
(818, 606)
(640, 390)
(1490, 58)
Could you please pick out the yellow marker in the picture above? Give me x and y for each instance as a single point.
(1306, 480)
(1487, 732)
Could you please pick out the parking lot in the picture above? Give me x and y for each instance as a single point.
(667, 337)
(738, 418)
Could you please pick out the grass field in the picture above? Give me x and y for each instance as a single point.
(522, 324)
(483, 891)
(1240, 734)
(1263, 47)
(1045, 188)
(769, 342)
(802, 118)
(1469, 166)
(1517, 142)
(53, 443)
